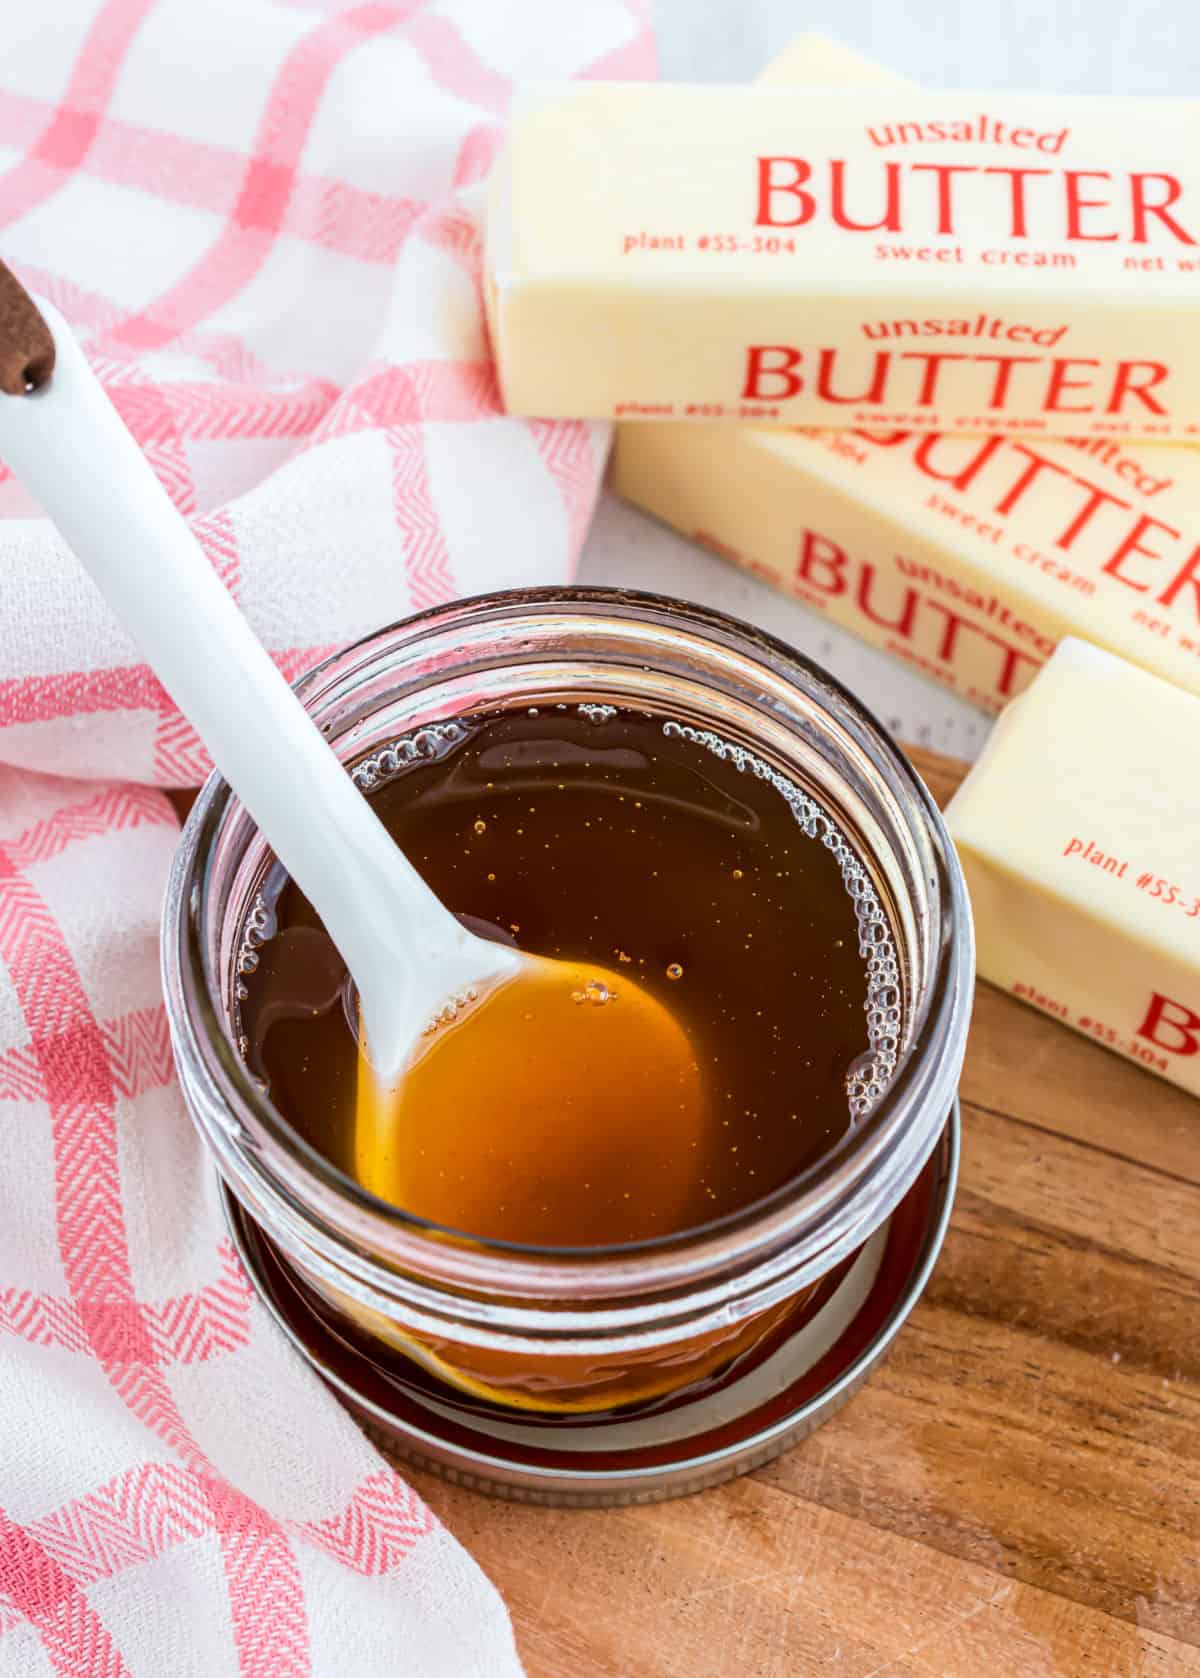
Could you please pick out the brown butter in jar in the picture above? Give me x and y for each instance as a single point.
(813, 842)
(669, 858)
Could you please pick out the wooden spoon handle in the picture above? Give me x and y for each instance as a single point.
(26, 342)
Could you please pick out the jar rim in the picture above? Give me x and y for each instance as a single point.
(202, 1038)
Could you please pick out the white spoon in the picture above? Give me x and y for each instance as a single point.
(408, 954)
(411, 960)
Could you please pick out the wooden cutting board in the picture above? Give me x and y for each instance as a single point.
(1016, 1493)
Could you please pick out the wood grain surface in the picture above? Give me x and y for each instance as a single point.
(1015, 1494)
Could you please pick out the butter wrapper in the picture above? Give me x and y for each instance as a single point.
(876, 256)
(967, 558)
(1078, 833)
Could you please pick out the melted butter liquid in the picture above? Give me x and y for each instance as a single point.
(505, 1105)
(637, 849)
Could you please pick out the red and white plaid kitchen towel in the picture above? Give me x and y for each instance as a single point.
(258, 215)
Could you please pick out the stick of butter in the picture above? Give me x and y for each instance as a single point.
(1079, 833)
(948, 261)
(969, 559)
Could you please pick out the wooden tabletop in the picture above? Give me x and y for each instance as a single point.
(1015, 1494)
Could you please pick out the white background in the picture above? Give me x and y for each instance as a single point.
(1077, 46)
(1055, 46)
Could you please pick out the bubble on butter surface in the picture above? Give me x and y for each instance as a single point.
(260, 925)
(423, 745)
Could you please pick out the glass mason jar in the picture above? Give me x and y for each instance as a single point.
(579, 1330)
